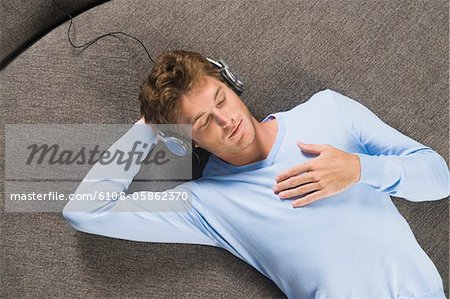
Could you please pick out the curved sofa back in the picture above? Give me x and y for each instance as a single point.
(26, 21)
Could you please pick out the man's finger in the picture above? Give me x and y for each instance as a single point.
(300, 190)
(308, 199)
(312, 148)
(303, 178)
(304, 167)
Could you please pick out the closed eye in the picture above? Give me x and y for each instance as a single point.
(221, 102)
(206, 122)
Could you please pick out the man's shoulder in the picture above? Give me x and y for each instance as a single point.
(323, 95)
(319, 98)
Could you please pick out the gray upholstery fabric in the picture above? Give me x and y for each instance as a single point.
(23, 22)
(392, 56)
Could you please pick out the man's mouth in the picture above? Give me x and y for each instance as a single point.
(236, 129)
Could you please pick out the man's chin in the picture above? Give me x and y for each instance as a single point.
(241, 147)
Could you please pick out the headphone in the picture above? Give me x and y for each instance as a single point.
(178, 145)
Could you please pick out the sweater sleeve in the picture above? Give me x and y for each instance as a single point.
(393, 163)
(113, 213)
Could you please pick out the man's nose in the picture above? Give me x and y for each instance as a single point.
(223, 121)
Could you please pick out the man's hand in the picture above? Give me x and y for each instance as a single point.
(331, 172)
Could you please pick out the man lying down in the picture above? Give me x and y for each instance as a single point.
(315, 217)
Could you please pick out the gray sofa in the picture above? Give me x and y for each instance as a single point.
(392, 56)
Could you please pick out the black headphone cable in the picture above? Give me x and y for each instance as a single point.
(99, 37)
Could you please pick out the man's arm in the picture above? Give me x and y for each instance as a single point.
(127, 216)
(394, 163)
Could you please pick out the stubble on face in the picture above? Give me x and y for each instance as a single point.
(242, 142)
(215, 141)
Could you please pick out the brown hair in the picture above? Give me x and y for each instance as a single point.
(175, 72)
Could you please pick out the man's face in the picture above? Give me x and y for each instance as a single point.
(215, 111)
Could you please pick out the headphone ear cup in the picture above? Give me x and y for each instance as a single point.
(178, 145)
(231, 77)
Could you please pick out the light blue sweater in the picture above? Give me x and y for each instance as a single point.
(354, 244)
